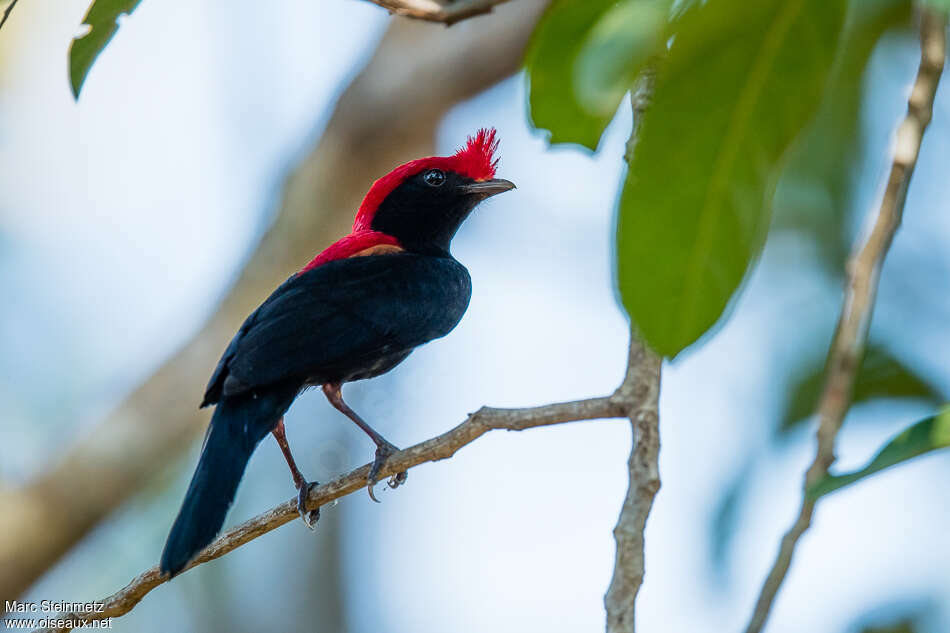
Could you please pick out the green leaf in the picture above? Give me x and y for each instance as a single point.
(816, 192)
(102, 19)
(615, 51)
(741, 81)
(574, 39)
(881, 375)
(928, 435)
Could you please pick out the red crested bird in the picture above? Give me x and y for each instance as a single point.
(355, 311)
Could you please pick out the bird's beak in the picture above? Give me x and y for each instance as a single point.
(487, 188)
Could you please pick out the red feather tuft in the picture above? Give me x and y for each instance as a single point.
(476, 161)
(350, 246)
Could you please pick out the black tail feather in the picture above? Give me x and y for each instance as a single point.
(237, 426)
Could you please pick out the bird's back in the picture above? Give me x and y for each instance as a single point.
(344, 320)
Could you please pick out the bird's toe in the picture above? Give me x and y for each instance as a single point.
(383, 453)
(310, 517)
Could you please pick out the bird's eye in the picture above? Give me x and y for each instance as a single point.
(434, 177)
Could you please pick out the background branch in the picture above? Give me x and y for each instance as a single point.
(630, 399)
(381, 120)
(6, 12)
(863, 271)
(435, 11)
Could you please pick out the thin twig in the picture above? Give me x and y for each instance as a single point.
(640, 99)
(863, 271)
(624, 402)
(447, 13)
(643, 383)
(6, 12)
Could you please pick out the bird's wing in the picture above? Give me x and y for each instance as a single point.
(216, 384)
(342, 316)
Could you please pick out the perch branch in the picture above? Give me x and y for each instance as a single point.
(863, 271)
(447, 13)
(624, 402)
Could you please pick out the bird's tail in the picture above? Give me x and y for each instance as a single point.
(237, 427)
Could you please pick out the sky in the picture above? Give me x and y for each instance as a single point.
(124, 217)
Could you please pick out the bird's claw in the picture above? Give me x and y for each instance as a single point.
(310, 517)
(383, 452)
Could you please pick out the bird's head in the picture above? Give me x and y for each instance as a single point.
(422, 203)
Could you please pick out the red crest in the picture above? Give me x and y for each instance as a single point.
(476, 161)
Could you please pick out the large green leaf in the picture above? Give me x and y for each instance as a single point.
(583, 57)
(881, 375)
(741, 81)
(102, 20)
(923, 437)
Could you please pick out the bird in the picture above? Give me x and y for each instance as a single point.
(355, 311)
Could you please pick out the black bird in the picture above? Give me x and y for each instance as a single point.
(355, 311)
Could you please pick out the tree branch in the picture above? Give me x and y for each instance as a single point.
(435, 11)
(6, 12)
(643, 383)
(630, 399)
(863, 271)
(641, 387)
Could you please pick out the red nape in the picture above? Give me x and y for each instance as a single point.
(350, 246)
(476, 161)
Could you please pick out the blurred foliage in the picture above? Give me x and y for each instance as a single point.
(915, 615)
(102, 18)
(696, 204)
(725, 518)
(928, 435)
(901, 626)
(881, 375)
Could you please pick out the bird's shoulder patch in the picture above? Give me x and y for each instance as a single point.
(357, 244)
(379, 249)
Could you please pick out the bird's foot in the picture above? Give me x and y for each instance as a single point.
(383, 452)
(310, 517)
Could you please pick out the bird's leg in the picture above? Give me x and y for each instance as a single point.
(383, 447)
(303, 487)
